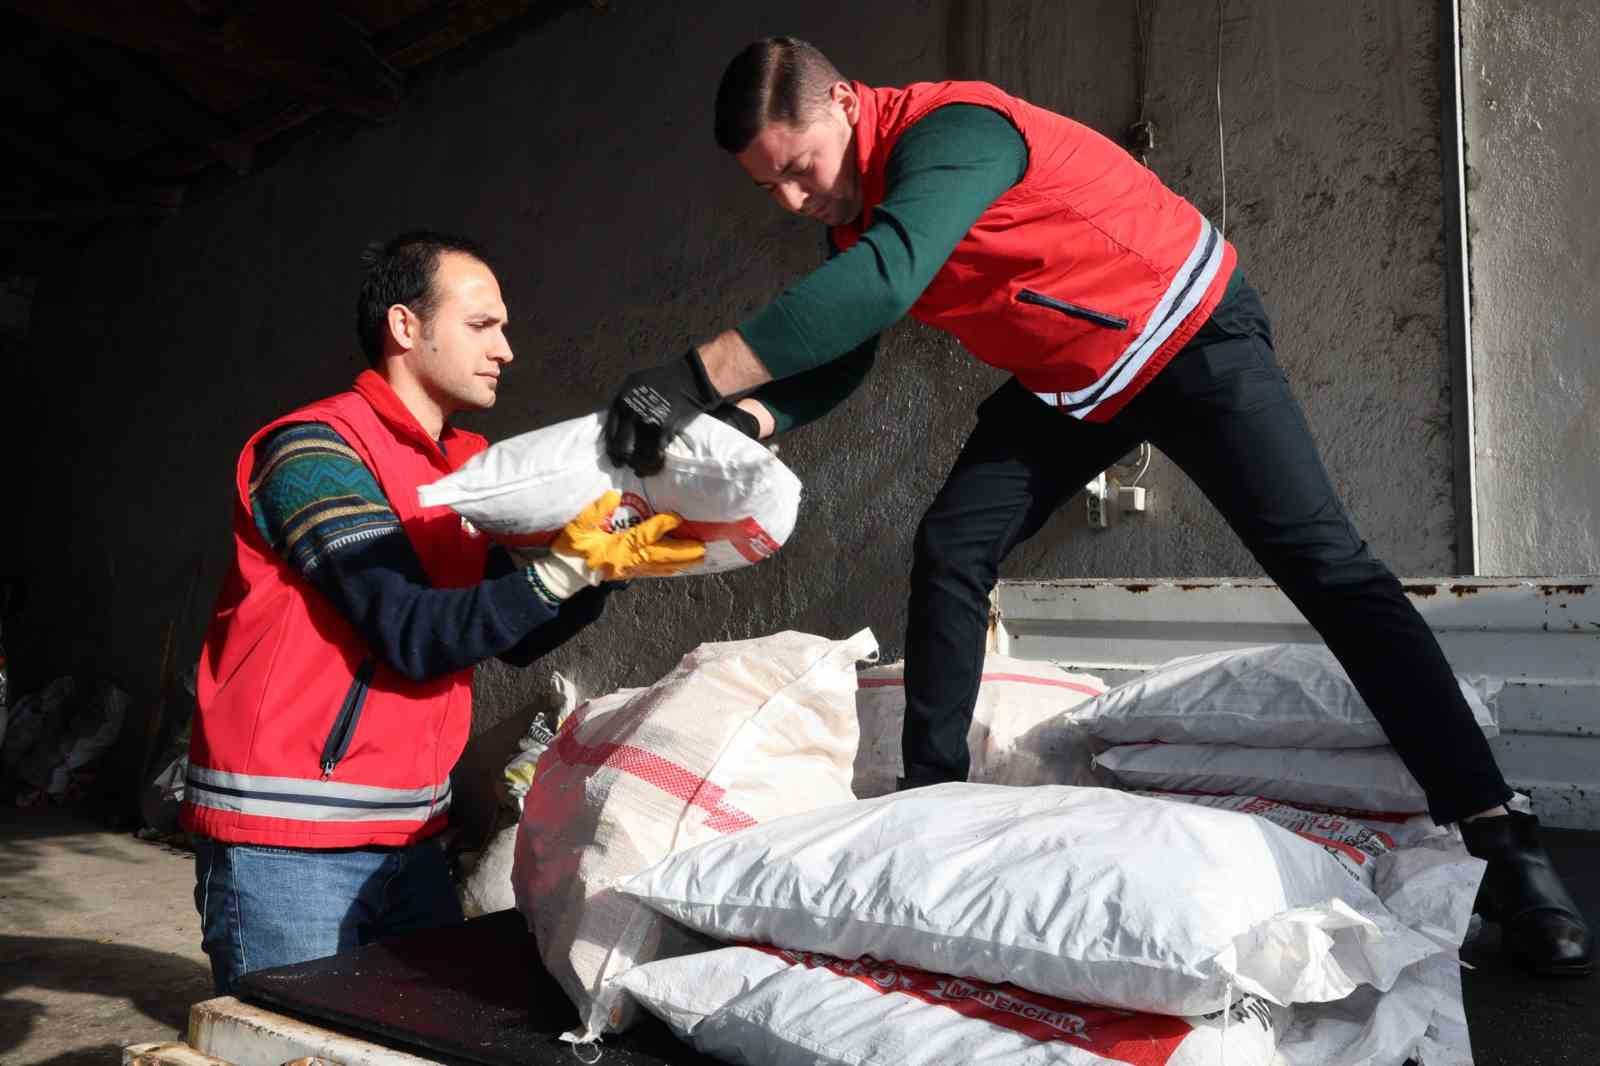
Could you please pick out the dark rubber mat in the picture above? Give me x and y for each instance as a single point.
(473, 993)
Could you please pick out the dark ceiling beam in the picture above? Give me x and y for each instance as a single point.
(52, 162)
(131, 91)
(352, 42)
(234, 48)
(446, 27)
(320, 33)
(213, 8)
(181, 161)
(149, 201)
(85, 211)
(407, 45)
(351, 62)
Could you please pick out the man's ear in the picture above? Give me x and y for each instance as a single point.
(404, 327)
(844, 94)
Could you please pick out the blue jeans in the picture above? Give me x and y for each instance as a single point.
(264, 906)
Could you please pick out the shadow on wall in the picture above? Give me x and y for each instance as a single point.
(475, 781)
(966, 40)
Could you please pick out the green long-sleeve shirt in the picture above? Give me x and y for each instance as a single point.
(819, 338)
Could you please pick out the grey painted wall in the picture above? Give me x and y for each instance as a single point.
(581, 152)
(1531, 75)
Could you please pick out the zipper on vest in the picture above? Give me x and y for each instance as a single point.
(1099, 318)
(344, 726)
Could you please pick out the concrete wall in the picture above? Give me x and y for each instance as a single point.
(1530, 71)
(581, 152)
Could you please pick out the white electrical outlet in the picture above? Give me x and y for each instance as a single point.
(1096, 495)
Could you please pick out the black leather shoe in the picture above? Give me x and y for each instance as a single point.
(1540, 926)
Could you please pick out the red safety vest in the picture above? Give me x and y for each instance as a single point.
(303, 737)
(1083, 279)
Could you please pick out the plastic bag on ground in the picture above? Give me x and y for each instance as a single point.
(792, 1008)
(162, 798)
(739, 733)
(1017, 885)
(522, 766)
(485, 881)
(161, 795)
(485, 876)
(732, 493)
(1021, 733)
(35, 722)
(56, 736)
(1273, 696)
(1363, 779)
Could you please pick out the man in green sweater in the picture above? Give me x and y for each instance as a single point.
(1050, 252)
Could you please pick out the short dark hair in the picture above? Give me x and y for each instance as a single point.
(775, 79)
(400, 271)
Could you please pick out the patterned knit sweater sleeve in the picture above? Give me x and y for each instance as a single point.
(320, 508)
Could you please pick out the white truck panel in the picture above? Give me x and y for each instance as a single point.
(1540, 635)
(245, 1035)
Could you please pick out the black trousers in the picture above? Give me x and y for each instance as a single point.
(1221, 410)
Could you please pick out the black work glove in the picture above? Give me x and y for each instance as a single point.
(650, 409)
(739, 419)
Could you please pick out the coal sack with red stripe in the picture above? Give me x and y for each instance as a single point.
(739, 733)
(1081, 893)
(1268, 696)
(1022, 731)
(800, 1008)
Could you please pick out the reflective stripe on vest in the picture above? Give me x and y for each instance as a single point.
(1188, 288)
(313, 800)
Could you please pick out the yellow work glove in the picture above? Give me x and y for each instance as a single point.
(586, 553)
(642, 551)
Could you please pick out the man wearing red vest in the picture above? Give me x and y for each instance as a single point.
(335, 685)
(1120, 312)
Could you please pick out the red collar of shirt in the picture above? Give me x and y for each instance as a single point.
(377, 392)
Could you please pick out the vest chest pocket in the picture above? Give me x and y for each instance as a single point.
(1087, 314)
(344, 725)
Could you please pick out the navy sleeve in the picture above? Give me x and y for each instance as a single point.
(571, 617)
(318, 505)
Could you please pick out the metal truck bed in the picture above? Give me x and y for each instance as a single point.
(1541, 636)
(479, 994)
